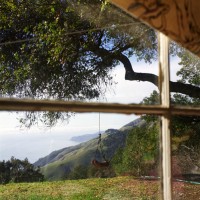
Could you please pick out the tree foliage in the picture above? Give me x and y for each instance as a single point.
(63, 57)
(78, 172)
(66, 50)
(190, 72)
(15, 170)
(142, 142)
(140, 154)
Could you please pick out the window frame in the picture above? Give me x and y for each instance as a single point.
(165, 110)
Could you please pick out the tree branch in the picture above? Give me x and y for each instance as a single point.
(183, 88)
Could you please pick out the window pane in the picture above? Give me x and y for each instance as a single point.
(185, 75)
(126, 154)
(74, 50)
(185, 157)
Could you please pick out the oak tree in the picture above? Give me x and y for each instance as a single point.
(66, 50)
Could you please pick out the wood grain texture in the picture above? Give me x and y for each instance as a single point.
(179, 20)
(9, 104)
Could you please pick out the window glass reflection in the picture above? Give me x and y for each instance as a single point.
(118, 154)
(185, 157)
(75, 50)
(185, 76)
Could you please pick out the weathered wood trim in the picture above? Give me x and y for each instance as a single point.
(179, 20)
(165, 119)
(11, 104)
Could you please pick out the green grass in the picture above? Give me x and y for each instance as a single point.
(119, 188)
(86, 189)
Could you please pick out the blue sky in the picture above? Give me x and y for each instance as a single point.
(40, 141)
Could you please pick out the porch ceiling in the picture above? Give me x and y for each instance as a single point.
(179, 20)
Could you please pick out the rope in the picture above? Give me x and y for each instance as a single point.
(99, 140)
(99, 143)
(99, 123)
(100, 149)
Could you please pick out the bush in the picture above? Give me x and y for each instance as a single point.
(15, 170)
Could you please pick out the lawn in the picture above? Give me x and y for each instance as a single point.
(122, 188)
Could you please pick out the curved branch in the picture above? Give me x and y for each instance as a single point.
(183, 88)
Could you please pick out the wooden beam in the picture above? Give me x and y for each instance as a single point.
(179, 20)
(165, 119)
(11, 104)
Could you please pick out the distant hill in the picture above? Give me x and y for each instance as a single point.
(131, 125)
(84, 138)
(57, 164)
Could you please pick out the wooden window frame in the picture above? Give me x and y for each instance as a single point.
(165, 110)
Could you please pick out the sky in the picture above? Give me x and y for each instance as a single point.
(38, 142)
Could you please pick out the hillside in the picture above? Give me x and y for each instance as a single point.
(84, 138)
(57, 164)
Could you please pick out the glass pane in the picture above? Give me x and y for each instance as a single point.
(75, 50)
(185, 76)
(185, 157)
(108, 156)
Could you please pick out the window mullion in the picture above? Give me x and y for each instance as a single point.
(165, 119)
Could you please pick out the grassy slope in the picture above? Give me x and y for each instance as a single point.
(59, 163)
(119, 188)
(58, 169)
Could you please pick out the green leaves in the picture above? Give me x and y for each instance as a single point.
(57, 54)
(190, 65)
(15, 170)
(140, 153)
